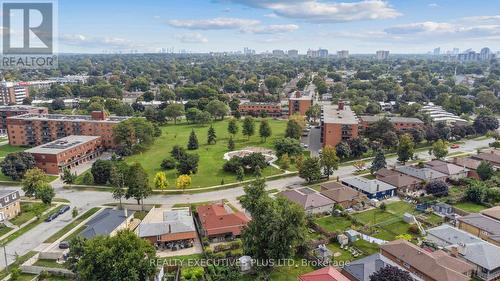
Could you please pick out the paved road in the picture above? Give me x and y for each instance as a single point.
(84, 200)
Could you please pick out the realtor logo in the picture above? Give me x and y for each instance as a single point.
(28, 35)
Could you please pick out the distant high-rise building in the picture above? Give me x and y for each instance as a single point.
(312, 53)
(437, 51)
(278, 53)
(343, 54)
(13, 93)
(468, 55)
(485, 54)
(293, 53)
(248, 51)
(320, 53)
(456, 51)
(382, 55)
(323, 53)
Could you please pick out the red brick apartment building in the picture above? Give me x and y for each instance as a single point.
(299, 103)
(67, 152)
(256, 108)
(13, 93)
(338, 123)
(36, 129)
(8, 111)
(400, 123)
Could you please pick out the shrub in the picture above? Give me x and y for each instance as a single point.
(168, 163)
(414, 229)
(88, 179)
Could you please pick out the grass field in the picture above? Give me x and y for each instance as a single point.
(7, 148)
(334, 224)
(210, 171)
(29, 211)
(470, 207)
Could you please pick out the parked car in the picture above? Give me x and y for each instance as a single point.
(52, 217)
(454, 146)
(64, 245)
(64, 209)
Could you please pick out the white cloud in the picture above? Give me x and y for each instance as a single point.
(315, 11)
(215, 23)
(271, 29)
(192, 38)
(433, 5)
(427, 26)
(97, 42)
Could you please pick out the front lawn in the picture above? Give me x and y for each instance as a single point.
(28, 211)
(210, 171)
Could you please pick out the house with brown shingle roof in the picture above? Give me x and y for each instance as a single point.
(403, 182)
(454, 172)
(432, 266)
(493, 156)
(469, 163)
(219, 221)
(309, 199)
(493, 213)
(342, 195)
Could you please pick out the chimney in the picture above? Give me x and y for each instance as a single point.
(454, 251)
(98, 115)
(341, 105)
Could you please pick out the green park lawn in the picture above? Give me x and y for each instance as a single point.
(28, 211)
(7, 148)
(210, 171)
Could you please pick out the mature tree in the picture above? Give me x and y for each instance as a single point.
(101, 171)
(168, 163)
(68, 177)
(311, 169)
(211, 136)
(133, 135)
(192, 115)
(118, 177)
(193, 141)
(174, 111)
(390, 139)
(230, 144)
(178, 152)
(391, 273)
(160, 180)
(16, 164)
(183, 182)
(123, 256)
(284, 162)
(248, 127)
(437, 188)
(406, 148)
(299, 119)
(272, 83)
(265, 130)
(232, 126)
(293, 130)
(329, 160)
(485, 170)
(343, 150)
(277, 228)
(188, 164)
(240, 173)
(378, 162)
(287, 146)
(314, 112)
(137, 182)
(32, 180)
(484, 123)
(45, 192)
(440, 149)
(217, 109)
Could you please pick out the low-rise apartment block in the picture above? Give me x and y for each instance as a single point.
(67, 152)
(400, 123)
(338, 123)
(36, 129)
(258, 108)
(9, 111)
(10, 205)
(299, 103)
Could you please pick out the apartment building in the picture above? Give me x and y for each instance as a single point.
(36, 129)
(400, 123)
(338, 123)
(8, 111)
(67, 152)
(299, 103)
(10, 205)
(258, 108)
(13, 93)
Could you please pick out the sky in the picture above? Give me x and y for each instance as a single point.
(402, 26)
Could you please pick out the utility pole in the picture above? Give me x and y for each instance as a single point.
(5, 257)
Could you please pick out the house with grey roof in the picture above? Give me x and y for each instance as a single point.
(373, 189)
(309, 199)
(484, 256)
(424, 174)
(107, 223)
(360, 270)
(481, 226)
(454, 172)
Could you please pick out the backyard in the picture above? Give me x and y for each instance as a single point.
(210, 171)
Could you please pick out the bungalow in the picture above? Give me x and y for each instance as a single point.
(374, 189)
(493, 157)
(162, 226)
(481, 226)
(107, 223)
(484, 256)
(493, 213)
(219, 221)
(424, 174)
(468, 163)
(437, 266)
(312, 201)
(454, 172)
(328, 273)
(402, 182)
(342, 195)
(360, 270)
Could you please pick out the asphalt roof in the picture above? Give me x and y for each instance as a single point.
(421, 173)
(307, 201)
(362, 269)
(331, 114)
(62, 144)
(104, 223)
(370, 186)
(484, 223)
(175, 221)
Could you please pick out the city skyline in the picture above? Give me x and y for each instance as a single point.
(231, 25)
